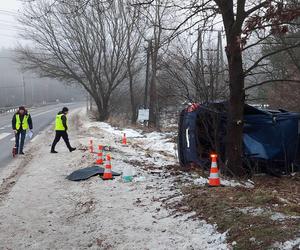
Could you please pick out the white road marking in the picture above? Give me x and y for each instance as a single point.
(3, 135)
(58, 108)
(34, 115)
(42, 113)
(34, 138)
(13, 139)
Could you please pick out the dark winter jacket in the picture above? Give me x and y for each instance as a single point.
(13, 122)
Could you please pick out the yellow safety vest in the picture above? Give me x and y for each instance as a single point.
(24, 123)
(59, 124)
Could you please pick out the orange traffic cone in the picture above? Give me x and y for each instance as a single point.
(214, 180)
(124, 139)
(100, 155)
(91, 146)
(107, 175)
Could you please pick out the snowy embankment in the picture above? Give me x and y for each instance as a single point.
(154, 152)
(43, 210)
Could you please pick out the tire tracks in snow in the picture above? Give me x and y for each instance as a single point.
(9, 182)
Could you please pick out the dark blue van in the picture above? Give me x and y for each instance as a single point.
(271, 138)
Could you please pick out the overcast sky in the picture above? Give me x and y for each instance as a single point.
(8, 23)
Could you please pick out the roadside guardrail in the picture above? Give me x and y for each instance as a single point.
(13, 109)
(4, 110)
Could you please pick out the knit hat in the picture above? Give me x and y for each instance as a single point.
(22, 108)
(65, 109)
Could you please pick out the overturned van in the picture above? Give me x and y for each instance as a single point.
(271, 138)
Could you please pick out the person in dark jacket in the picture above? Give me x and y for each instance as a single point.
(61, 127)
(21, 121)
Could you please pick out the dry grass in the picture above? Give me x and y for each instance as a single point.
(76, 121)
(251, 230)
(123, 120)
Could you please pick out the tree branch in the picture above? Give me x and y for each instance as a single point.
(268, 81)
(267, 55)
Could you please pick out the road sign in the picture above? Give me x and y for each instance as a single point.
(143, 115)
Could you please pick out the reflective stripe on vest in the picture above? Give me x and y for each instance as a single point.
(24, 122)
(59, 124)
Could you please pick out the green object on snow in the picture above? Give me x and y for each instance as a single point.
(127, 178)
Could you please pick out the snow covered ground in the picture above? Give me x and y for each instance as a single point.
(40, 209)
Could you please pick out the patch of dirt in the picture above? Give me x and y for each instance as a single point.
(83, 207)
(9, 182)
(173, 169)
(224, 206)
(286, 188)
(141, 164)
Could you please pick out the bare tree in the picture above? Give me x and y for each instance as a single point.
(194, 69)
(247, 24)
(283, 79)
(90, 42)
(134, 32)
(88, 48)
(156, 15)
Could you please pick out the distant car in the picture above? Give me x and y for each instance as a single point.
(271, 138)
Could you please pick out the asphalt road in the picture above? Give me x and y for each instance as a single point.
(42, 117)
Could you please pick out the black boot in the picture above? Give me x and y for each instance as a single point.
(53, 151)
(72, 149)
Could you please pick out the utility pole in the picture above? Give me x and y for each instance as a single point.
(24, 90)
(147, 75)
(220, 62)
(198, 68)
(221, 48)
(87, 102)
(153, 107)
(202, 89)
(32, 99)
(91, 102)
(202, 58)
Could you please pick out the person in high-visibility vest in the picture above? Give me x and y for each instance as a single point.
(21, 122)
(61, 127)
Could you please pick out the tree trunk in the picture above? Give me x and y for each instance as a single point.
(103, 112)
(233, 23)
(147, 77)
(131, 89)
(133, 114)
(153, 90)
(234, 142)
(153, 101)
(132, 100)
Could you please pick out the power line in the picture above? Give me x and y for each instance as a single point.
(11, 11)
(8, 21)
(7, 13)
(11, 87)
(10, 28)
(8, 36)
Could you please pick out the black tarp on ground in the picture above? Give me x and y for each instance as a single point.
(271, 138)
(86, 173)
